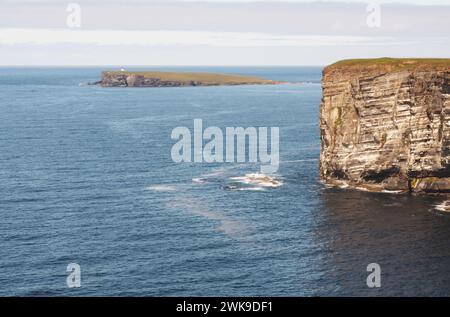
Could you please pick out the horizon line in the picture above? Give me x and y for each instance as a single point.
(122, 66)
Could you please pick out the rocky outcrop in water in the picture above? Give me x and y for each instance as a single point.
(385, 125)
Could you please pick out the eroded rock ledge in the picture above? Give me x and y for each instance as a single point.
(174, 79)
(385, 125)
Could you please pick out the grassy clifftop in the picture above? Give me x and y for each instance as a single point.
(391, 64)
(182, 78)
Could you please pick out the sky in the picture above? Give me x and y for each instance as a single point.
(219, 32)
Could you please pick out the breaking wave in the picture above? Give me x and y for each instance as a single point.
(237, 188)
(253, 182)
(444, 206)
(258, 179)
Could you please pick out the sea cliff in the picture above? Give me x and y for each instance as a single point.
(385, 125)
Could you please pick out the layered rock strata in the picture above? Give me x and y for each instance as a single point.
(385, 125)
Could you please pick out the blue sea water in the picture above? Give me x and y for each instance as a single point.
(86, 177)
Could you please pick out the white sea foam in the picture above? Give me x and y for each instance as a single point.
(256, 189)
(444, 206)
(161, 188)
(245, 188)
(199, 180)
(257, 179)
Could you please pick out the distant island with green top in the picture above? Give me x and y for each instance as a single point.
(124, 78)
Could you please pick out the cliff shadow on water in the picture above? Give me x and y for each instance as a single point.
(404, 234)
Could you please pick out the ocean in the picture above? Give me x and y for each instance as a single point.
(86, 177)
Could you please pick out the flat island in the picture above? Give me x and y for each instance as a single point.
(176, 79)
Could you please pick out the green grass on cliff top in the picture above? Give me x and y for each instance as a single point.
(394, 63)
(204, 78)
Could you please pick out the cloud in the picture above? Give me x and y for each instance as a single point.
(34, 32)
(318, 18)
(408, 2)
(15, 36)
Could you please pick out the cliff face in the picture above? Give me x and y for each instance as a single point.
(385, 125)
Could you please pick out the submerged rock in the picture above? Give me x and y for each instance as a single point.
(385, 125)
